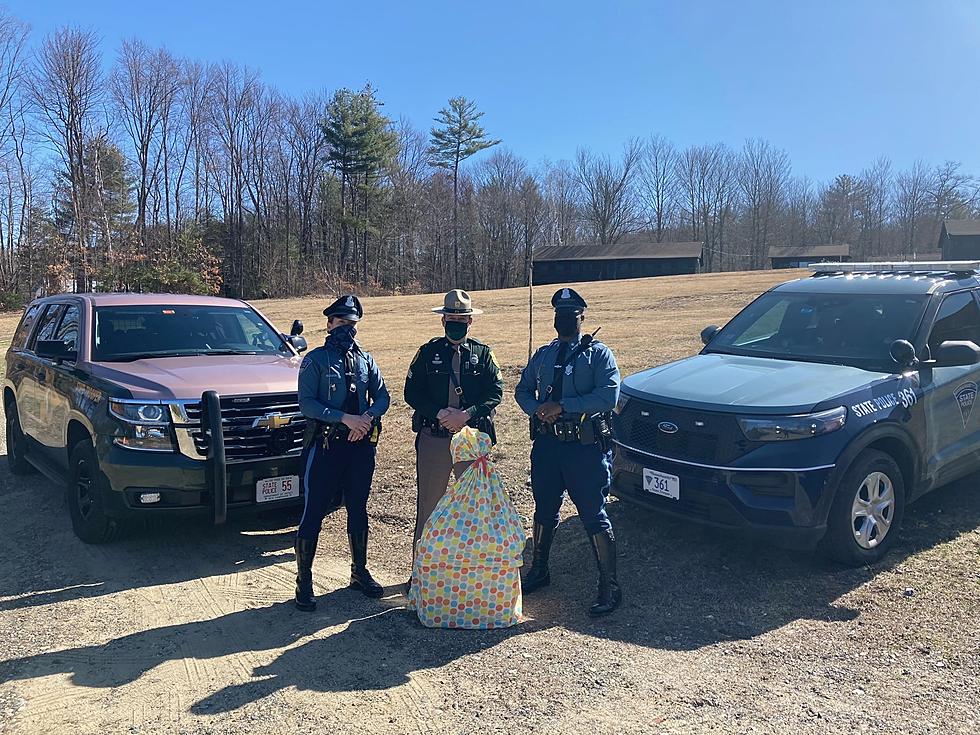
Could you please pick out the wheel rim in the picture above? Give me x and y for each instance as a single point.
(84, 494)
(873, 510)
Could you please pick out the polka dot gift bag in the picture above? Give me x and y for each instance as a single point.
(467, 567)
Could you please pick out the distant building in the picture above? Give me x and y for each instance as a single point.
(570, 263)
(959, 239)
(800, 256)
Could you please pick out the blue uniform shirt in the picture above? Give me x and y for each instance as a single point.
(590, 384)
(323, 384)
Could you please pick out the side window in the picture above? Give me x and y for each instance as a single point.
(958, 319)
(19, 340)
(68, 329)
(49, 322)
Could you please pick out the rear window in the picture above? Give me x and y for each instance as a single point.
(139, 332)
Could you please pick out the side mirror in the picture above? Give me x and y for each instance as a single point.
(55, 350)
(297, 328)
(903, 353)
(298, 343)
(708, 334)
(956, 353)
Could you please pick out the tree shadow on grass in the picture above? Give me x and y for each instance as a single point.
(687, 586)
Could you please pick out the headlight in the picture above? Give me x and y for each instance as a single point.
(147, 438)
(140, 413)
(621, 403)
(787, 428)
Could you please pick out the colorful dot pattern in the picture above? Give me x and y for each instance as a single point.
(467, 565)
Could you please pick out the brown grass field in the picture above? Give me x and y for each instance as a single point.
(186, 628)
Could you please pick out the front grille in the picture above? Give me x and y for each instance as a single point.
(244, 440)
(701, 436)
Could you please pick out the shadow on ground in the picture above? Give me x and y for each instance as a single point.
(686, 587)
(48, 564)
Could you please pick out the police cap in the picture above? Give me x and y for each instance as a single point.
(568, 298)
(346, 307)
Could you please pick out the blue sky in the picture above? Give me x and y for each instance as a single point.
(836, 84)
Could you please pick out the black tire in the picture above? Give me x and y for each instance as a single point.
(843, 542)
(16, 444)
(86, 491)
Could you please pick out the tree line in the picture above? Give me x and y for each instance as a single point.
(151, 172)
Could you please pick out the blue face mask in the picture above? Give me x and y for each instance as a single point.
(343, 337)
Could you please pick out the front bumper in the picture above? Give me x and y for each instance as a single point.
(788, 506)
(183, 482)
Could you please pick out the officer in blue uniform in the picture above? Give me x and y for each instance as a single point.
(343, 397)
(569, 389)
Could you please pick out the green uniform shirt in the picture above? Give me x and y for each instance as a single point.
(428, 383)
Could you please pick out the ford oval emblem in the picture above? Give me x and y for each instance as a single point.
(667, 427)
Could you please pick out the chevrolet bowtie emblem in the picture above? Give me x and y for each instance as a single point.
(271, 421)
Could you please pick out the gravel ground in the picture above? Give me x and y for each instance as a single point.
(181, 627)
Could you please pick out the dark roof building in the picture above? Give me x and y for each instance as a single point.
(800, 256)
(570, 263)
(959, 239)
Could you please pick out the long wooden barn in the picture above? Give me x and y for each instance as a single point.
(570, 263)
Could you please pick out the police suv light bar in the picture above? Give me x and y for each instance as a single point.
(922, 266)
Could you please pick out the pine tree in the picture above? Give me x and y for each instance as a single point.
(457, 136)
(360, 144)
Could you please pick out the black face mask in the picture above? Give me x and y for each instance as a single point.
(456, 331)
(566, 323)
(343, 336)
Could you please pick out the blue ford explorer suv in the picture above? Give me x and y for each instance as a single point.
(818, 412)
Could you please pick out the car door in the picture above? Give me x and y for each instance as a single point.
(19, 360)
(34, 372)
(950, 393)
(54, 394)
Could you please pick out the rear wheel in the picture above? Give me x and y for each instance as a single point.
(87, 488)
(16, 444)
(867, 513)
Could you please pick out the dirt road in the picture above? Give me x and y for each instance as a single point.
(187, 628)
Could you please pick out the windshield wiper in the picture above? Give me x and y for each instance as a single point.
(131, 356)
(229, 352)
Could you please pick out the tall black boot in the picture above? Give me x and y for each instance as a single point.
(539, 576)
(609, 596)
(305, 551)
(360, 577)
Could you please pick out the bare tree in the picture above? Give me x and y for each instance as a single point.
(144, 84)
(875, 185)
(67, 93)
(911, 205)
(762, 175)
(658, 183)
(562, 197)
(608, 192)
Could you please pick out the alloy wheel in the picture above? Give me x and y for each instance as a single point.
(873, 510)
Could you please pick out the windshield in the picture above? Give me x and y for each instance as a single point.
(136, 332)
(843, 329)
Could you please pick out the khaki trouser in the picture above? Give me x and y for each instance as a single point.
(433, 463)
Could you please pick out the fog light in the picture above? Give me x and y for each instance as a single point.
(149, 498)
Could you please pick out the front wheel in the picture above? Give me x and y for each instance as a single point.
(86, 491)
(867, 512)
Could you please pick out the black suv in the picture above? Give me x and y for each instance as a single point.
(818, 412)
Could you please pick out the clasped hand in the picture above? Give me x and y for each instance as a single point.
(359, 425)
(453, 419)
(548, 411)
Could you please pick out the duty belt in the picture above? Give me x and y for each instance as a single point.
(564, 428)
(435, 428)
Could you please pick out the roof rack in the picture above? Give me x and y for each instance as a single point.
(921, 266)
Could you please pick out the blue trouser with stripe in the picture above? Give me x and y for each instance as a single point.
(339, 475)
(584, 471)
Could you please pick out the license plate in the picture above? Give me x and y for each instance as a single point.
(660, 483)
(276, 488)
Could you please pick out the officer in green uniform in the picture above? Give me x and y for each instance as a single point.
(453, 381)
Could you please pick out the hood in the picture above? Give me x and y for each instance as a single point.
(186, 378)
(748, 384)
